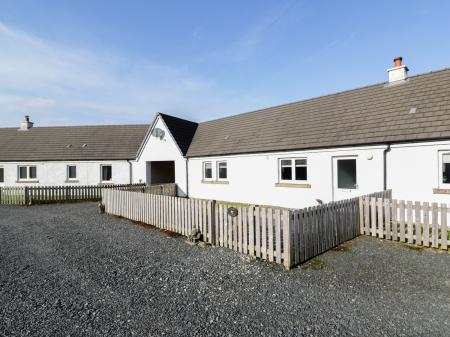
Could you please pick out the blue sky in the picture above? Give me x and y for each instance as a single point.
(109, 62)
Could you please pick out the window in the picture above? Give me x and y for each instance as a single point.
(2, 175)
(446, 168)
(27, 173)
(207, 170)
(71, 172)
(292, 170)
(106, 172)
(222, 173)
(346, 174)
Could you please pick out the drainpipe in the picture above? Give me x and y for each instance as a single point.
(131, 171)
(187, 178)
(385, 152)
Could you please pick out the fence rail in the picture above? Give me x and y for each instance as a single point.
(422, 224)
(27, 195)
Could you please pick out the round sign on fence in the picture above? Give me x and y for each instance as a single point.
(232, 211)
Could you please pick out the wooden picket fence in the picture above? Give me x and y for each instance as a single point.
(422, 224)
(257, 231)
(280, 235)
(28, 195)
(179, 215)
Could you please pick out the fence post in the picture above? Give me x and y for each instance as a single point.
(287, 230)
(212, 223)
(26, 197)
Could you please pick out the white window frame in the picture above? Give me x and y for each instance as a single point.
(101, 173)
(293, 166)
(204, 171)
(441, 184)
(218, 170)
(28, 167)
(2, 168)
(67, 173)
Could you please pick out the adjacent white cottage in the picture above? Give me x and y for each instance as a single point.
(393, 135)
(68, 155)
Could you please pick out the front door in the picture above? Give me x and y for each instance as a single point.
(345, 177)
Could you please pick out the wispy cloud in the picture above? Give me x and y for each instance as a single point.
(255, 35)
(59, 84)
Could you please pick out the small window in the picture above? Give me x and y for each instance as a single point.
(346, 174)
(71, 172)
(446, 168)
(207, 170)
(222, 170)
(2, 175)
(106, 172)
(293, 170)
(27, 172)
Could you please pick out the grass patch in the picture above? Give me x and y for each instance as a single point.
(314, 264)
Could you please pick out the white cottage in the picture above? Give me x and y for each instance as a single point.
(393, 135)
(68, 155)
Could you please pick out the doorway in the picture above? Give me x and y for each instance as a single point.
(160, 172)
(345, 177)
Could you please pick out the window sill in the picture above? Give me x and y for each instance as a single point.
(106, 183)
(293, 185)
(27, 181)
(217, 182)
(441, 190)
(74, 181)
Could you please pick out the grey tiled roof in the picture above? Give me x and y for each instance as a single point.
(374, 114)
(103, 142)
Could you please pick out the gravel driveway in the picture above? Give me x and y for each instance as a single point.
(67, 271)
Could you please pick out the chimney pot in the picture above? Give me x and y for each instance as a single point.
(398, 61)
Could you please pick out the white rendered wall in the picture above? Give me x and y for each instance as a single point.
(155, 149)
(54, 173)
(252, 178)
(414, 170)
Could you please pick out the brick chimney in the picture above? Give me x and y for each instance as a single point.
(399, 72)
(26, 124)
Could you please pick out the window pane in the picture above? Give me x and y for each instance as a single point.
(72, 172)
(2, 175)
(286, 162)
(23, 172)
(301, 173)
(208, 171)
(32, 172)
(300, 162)
(446, 158)
(106, 173)
(346, 173)
(223, 170)
(286, 173)
(446, 173)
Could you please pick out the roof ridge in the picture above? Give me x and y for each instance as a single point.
(76, 126)
(323, 96)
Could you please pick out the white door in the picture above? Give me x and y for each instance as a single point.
(345, 177)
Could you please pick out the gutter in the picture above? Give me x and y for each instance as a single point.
(385, 152)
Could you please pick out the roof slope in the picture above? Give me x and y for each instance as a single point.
(104, 142)
(374, 114)
(182, 131)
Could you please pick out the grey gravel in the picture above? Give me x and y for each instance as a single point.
(68, 271)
